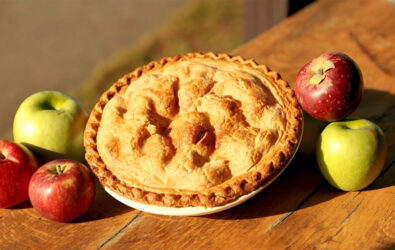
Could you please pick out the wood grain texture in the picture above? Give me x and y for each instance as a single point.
(23, 228)
(299, 210)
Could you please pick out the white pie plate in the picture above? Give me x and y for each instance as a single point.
(191, 211)
(180, 211)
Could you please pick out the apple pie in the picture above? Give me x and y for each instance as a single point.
(200, 129)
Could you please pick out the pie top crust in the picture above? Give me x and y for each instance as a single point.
(193, 130)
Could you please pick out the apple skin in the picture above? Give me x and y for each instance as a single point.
(351, 154)
(311, 131)
(17, 165)
(329, 87)
(62, 190)
(51, 124)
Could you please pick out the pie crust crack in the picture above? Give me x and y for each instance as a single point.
(200, 129)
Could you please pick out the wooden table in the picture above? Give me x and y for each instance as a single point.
(299, 210)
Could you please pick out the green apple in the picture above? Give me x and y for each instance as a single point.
(311, 132)
(51, 124)
(351, 153)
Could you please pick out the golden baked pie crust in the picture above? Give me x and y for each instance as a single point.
(224, 192)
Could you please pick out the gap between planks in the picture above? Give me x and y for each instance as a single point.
(351, 213)
(284, 217)
(129, 224)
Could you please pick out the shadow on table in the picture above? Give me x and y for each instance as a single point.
(295, 189)
(103, 207)
(378, 107)
(385, 179)
(389, 246)
(301, 185)
(23, 205)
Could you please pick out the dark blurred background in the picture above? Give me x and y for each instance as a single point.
(81, 47)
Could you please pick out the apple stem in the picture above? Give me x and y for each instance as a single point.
(318, 72)
(60, 169)
(2, 157)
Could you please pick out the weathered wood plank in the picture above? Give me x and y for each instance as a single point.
(22, 227)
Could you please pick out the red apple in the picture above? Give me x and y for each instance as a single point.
(62, 190)
(329, 87)
(17, 165)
